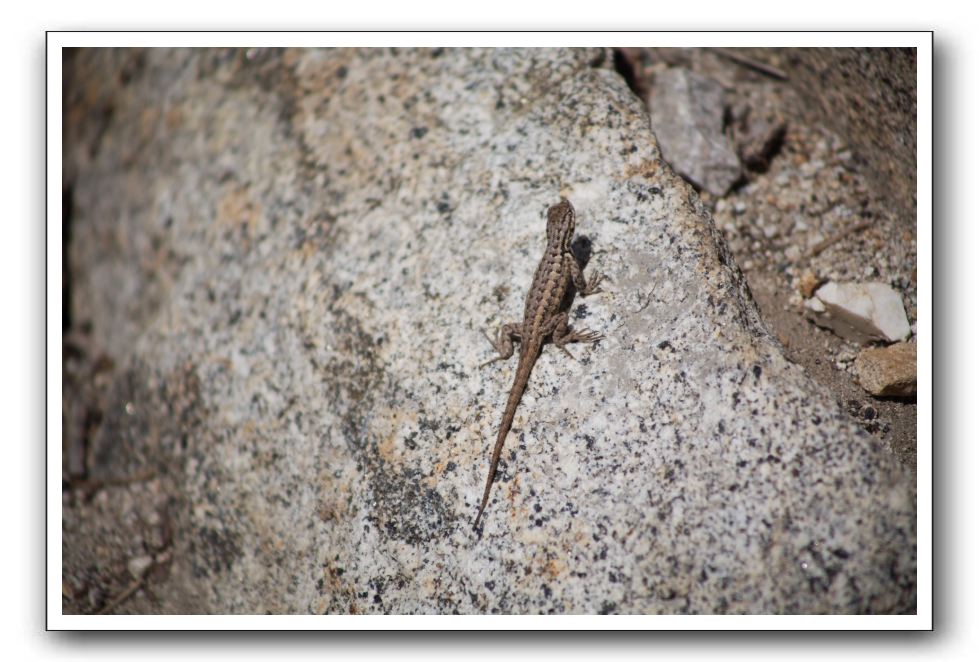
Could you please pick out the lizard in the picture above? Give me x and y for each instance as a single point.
(542, 320)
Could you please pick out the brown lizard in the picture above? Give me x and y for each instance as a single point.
(542, 319)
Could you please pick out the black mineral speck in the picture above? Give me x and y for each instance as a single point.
(419, 132)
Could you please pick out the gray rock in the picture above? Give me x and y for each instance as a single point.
(314, 241)
(757, 126)
(860, 312)
(686, 111)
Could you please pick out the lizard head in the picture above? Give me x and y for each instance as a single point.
(560, 224)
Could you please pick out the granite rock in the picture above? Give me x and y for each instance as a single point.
(290, 257)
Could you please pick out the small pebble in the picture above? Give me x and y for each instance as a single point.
(138, 565)
(808, 283)
(889, 371)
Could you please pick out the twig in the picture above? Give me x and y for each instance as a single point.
(752, 63)
(826, 243)
(122, 597)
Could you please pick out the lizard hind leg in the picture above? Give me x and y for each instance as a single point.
(503, 344)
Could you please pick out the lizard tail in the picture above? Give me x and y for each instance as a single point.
(516, 392)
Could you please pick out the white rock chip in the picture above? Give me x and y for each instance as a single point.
(860, 311)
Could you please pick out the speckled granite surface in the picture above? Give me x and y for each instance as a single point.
(291, 255)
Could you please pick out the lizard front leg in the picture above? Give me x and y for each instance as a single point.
(503, 344)
(562, 334)
(584, 287)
